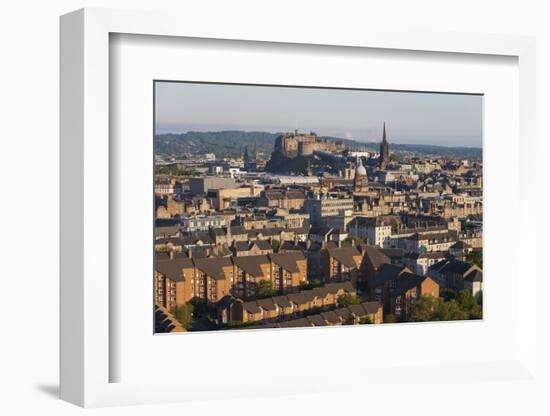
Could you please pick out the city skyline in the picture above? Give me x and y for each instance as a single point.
(453, 120)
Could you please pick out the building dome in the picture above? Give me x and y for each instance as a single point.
(360, 170)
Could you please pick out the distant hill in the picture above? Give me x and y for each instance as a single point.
(222, 143)
(229, 143)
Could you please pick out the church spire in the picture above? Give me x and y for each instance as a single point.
(384, 150)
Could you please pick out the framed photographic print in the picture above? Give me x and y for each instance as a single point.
(285, 206)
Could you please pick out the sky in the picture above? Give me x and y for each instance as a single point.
(411, 117)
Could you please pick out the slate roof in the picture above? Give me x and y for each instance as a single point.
(331, 317)
(172, 268)
(251, 307)
(358, 310)
(343, 313)
(293, 246)
(238, 230)
(371, 307)
(213, 266)
(288, 261)
(282, 301)
(407, 282)
(376, 256)
(345, 255)
(386, 273)
(456, 266)
(263, 245)
(266, 304)
(251, 264)
(301, 322)
(474, 276)
(316, 320)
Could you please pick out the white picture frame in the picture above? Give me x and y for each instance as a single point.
(86, 353)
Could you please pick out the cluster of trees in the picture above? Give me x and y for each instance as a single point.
(174, 171)
(475, 257)
(276, 244)
(347, 299)
(310, 284)
(264, 289)
(451, 306)
(184, 315)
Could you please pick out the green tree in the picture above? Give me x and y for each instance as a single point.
(447, 294)
(425, 309)
(347, 299)
(469, 304)
(184, 315)
(451, 311)
(264, 289)
(310, 284)
(475, 257)
(276, 244)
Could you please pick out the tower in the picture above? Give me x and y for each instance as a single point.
(245, 157)
(384, 150)
(256, 151)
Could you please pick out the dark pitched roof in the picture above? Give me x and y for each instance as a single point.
(288, 261)
(226, 301)
(386, 273)
(238, 230)
(297, 298)
(220, 232)
(461, 245)
(282, 301)
(393, 253)
(371, 307)
(251, 264)
(345, 255)
(266, 304)
(169, 230)
(251, 307)
(376, 256)
(299, 230)
(474, 276)
(213, 266)
(456, 266)
(197, 237)
(343, 313)
(301, 322)
(316, 320)
(336, 286)
(164, 255)
(263, 245)
(407, 282)
(331, 317)
(320, 230)
(293, 246)
(241, 245)
(358, 310)
(172, 268)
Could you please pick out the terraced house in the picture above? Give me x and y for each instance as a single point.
(180, 280)
(282, 308)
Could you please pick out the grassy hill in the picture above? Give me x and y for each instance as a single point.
(230, 143)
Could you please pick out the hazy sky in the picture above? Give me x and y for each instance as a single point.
(421, 118)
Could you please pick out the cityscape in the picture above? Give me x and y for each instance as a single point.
(277, 225)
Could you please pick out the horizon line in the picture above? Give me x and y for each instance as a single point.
(321, 136)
